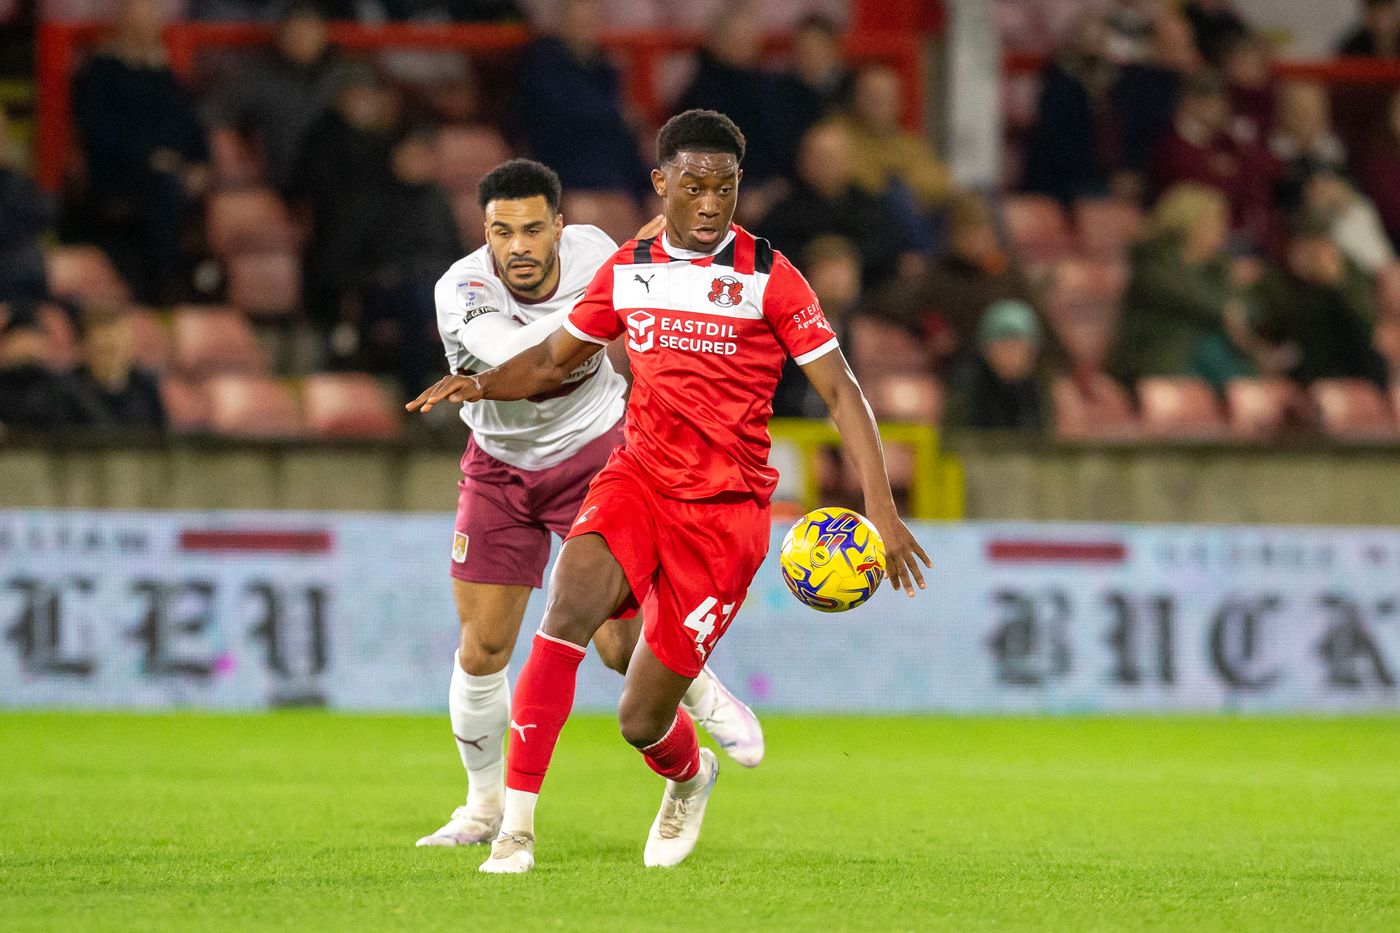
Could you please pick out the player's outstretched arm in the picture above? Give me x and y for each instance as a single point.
(534, 370)
(834, 382)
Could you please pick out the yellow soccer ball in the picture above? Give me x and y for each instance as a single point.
(832, 559)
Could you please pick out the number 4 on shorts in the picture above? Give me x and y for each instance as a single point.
(703, 621)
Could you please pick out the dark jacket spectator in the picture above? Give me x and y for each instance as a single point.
(832, 267)
(1179, 287)
(1378, 170)
(818, 82)
(109, 392)
(1303, 143)
(32, 396)
(825, 200)
(568, 92)
(1216, 25)
(280, 96)
(144, 148)
(26, 213)
(1250, 87)
(1378, 35)
(1001, 386)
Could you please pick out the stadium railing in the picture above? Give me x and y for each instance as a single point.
(59, 49)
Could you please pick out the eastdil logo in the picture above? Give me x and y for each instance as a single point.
(641, 331)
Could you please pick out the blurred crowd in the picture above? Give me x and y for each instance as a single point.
(1173, 211)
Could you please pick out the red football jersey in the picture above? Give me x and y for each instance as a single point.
(707, 336)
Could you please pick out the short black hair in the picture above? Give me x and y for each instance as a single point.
(520, 178)
(699, 131)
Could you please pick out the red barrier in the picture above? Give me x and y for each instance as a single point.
(1326, 70)
(58, 45)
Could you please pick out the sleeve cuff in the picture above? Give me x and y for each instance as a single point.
(573, 328)
(820, 351)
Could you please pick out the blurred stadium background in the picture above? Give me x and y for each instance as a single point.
(1119, 278)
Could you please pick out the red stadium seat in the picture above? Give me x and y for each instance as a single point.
(265, 285)
(215, 339)
(1259, 408)
(233, 158)
(251, 220)
(1179, 407)
(1037, 227)
(905, 397)
(878, 348)
(1106, 227)
(1092, 407)
(85, 274)
(466, 153)
(150, 341)
(252, 406)
(1353, 409)
(614, 211)
(349, 405)
(186, 404)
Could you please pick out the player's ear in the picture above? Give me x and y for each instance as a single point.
(558, 225)
(658, 182)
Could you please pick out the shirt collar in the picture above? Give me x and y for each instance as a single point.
(675, 252)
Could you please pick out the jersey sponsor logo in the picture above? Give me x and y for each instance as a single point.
(726, 291)
(459, 547)
(641, 331)
(470, 294)
(517, 727)
(699, 336)
(811, 316)
(587, 514)
(475, 313)
(644, 281)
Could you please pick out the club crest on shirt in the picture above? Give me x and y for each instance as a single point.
(726, 291)
(459, 547)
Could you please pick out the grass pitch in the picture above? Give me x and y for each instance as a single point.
(306, 821)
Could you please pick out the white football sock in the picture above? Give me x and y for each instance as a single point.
(520, 812)
(698, 694)
(480, 711)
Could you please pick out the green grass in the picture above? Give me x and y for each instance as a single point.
(306, 821)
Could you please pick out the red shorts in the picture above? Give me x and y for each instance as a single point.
(505, 514)
(689, 562)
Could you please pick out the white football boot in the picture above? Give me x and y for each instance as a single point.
(511, 854)
(470, 825)
(677, 826)
(729, 722)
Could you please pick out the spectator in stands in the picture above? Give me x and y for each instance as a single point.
(826, 200)
(1303, 143)
(32, 396)
(1320, 305)
(26, 214)
(1250, 86)
(110, 392)
(1201, 148)
(832, 267)
(1131, 24)
(1378, 169)
(145, 151)
(567, 92)
(1216, 25)
(1378, 35)
(343, 166)
(1001, 385)
(1351, 220)
(893, 162)
(279, 97)
(818, 82)
(457, 11)
(1179, 285)
(729, 77)
(412, 242)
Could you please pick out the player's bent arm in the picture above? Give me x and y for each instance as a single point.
(534, 370)
(831, 376)
(495, 338)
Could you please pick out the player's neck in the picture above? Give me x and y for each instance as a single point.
(673, 246)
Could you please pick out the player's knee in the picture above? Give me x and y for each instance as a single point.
(573, 620)
(483, 653)
(611, 651)
(642, 726)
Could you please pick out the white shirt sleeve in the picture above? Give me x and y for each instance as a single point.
(477, 332)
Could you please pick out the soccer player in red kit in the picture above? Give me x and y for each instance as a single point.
(678, 520)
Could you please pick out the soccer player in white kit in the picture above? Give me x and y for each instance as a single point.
(526, 469)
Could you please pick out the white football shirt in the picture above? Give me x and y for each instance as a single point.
(483, 324)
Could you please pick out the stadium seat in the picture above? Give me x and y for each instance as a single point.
(62, 338)
(466, 153)
(910, 397)
(349, 405)
(1259, 408)
(186, 404)
(1037, 227)
(84, 274)
(252, 406)
(214, 339)
(265, 285)
(150, 341)
(1106, 227)
(614, 211)
(1179, 407)
(1353, 409)
(251, 220)
(1093, 407)
(878, 348)
(233, 158)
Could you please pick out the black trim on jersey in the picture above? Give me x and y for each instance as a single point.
(641, 253)
(475, 313)
(762, 256)
(725, 257)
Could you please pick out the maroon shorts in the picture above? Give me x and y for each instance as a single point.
(505, 514)
(689, 562)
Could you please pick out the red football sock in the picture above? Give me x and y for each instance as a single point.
(544, 695)
(677, 755)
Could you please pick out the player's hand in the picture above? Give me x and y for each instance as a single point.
(450, 387)
(900, 552)
(652, 227)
